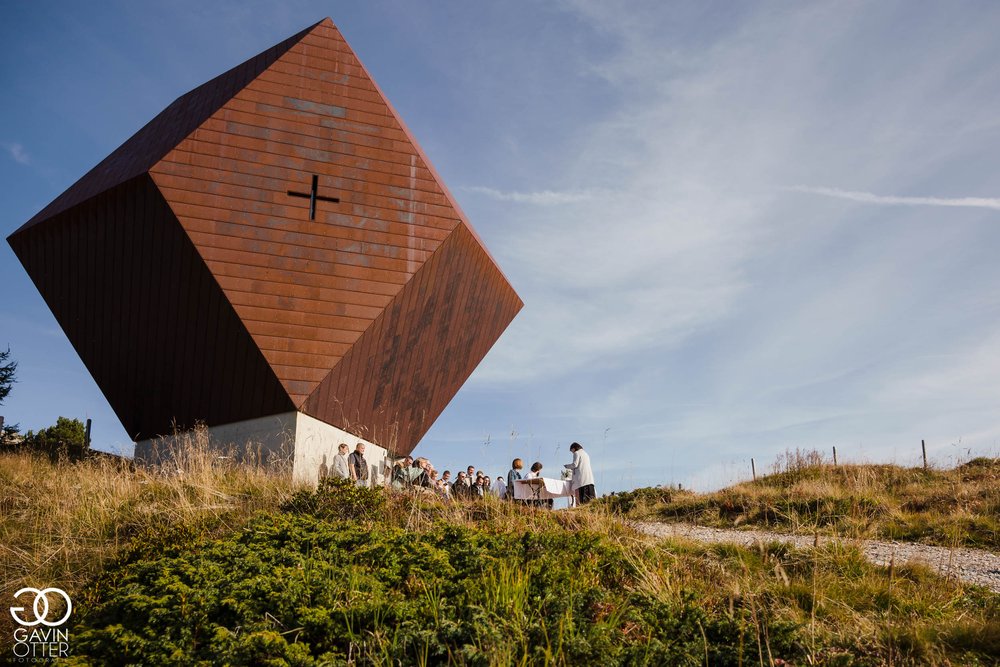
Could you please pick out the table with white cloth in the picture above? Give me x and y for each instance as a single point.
(542, 488)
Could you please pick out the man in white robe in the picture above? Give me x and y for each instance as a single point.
(583, 475)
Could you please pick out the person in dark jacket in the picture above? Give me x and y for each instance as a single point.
(359, 466)
(478, 491)
(460, 490)
(419, 475)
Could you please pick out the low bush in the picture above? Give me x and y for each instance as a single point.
(296, 589)
(338, 500)
(360, 576)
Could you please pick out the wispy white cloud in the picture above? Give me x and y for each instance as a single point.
(542, 197)
(871, 198)
(960, 377)
(18, 153)
(703, 308)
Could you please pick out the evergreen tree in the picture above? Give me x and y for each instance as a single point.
(8, 374)
(65, 431)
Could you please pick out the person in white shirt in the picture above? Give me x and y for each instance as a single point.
(340, 469)
(583, 476)
(536, 472)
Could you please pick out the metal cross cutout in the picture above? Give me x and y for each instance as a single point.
(312, 196)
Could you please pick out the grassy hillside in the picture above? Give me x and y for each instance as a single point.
(207, 563)
(805, 494)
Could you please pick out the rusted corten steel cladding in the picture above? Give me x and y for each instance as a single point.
(196, 288)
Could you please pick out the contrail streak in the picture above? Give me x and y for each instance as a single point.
(870, 198)
(544, 197)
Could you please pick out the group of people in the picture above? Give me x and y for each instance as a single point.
(409, 473)
(581, 475)
(351, 466)
(419, 473)
(470, 484)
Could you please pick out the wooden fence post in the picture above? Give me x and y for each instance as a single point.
(923, 447)
(834, 457)
(753, 470)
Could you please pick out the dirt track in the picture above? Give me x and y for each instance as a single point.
(973, 566)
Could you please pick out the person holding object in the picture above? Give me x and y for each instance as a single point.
(583, 476)
(418, 473)
(401, 473)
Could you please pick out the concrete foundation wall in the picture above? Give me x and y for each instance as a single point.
(291, 440)
(316, 442)
(268, 439)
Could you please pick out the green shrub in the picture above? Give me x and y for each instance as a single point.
(298, 589)
(339, 500)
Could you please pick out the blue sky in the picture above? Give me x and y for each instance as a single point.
(738, 228)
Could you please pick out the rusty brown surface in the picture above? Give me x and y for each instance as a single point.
(147, 146)
(403, 371)
(284, 126)
(145, 315)
(370, 316)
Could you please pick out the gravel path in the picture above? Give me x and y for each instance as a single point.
(973, 566)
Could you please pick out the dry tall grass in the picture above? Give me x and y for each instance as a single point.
(60, 524)
(63, 524)
(806, 493)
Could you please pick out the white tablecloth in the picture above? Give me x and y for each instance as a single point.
(525, 489)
